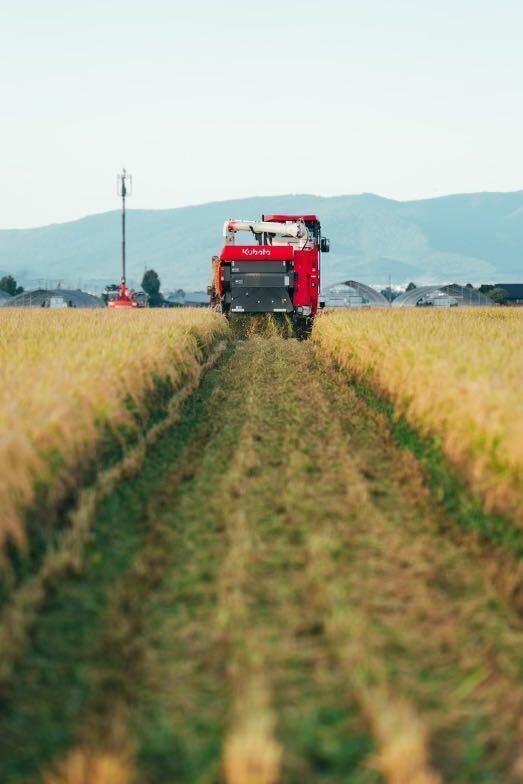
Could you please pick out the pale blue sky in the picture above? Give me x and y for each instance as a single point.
(204, 101)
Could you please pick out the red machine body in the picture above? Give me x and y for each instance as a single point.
(278, 274)
(126, 298)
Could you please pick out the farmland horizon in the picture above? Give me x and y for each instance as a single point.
(462, 237)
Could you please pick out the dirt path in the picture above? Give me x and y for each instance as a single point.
(279, 601)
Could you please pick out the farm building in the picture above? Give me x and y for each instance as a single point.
(452, 295)
(188, 299)
(54, 298)
(514, 293)
(352, 294)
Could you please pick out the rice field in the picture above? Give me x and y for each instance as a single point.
(224, 560)
(68, 378)
(456, 375)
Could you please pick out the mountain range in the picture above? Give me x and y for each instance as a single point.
(476, 238)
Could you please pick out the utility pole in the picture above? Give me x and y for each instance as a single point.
(124, 185)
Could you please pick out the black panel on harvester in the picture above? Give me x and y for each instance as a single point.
(263, 280)
(261, 286)
(260, 266)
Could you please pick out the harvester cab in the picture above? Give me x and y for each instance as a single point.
(277, 273)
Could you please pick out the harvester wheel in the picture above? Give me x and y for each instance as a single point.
(302, 328)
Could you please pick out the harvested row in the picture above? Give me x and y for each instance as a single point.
(295, 609)
(95, 616)
(74, 384)
(455, 375)
(67, 555)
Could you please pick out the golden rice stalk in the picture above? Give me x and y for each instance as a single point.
(103, 753)
(251, 754)
(18, 615)
(64, 377)
(402, 739)
(85, 767)
(455, 375)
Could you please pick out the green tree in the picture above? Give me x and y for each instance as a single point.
(498, 294)
(151, 286)
(411, 287)
(9, 285)
(389, 293)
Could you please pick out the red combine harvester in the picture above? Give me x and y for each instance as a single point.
(279, 274)
(126, 298)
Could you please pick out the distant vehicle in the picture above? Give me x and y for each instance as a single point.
(126, 298)
(142, 299)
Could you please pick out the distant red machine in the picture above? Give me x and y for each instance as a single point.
(126, 298)
(278, 274)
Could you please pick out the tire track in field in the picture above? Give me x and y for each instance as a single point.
(248, 633)
(250, 750)
(274, 658)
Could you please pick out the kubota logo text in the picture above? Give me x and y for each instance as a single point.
(256, 252)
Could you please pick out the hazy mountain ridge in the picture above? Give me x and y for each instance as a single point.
(470, 237)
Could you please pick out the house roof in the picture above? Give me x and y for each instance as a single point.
(35, 298)
(463, 295)
(369, 294)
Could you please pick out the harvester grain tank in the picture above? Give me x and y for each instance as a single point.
(280, 273)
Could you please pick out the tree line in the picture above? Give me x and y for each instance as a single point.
(10, 286)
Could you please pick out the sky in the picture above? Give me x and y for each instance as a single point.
(204, 101)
